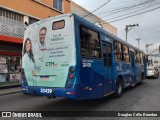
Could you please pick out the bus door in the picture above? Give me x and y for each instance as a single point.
(107, 64)
(132, 65)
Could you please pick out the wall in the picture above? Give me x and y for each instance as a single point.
(93, 18)
(38, 8)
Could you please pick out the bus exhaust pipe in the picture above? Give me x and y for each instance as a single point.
(49, 97)
(54, 96)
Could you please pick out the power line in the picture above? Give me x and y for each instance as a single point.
(141, 32)
(131, 15)
(138, 34)
(126, 8)
(91, 5)
(97, 8)
(130, 12)
(143, 7)
(141, 17)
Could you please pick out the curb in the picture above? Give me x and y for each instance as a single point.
(8, 93)
(9, 86)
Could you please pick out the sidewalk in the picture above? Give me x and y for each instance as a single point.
(7, 91)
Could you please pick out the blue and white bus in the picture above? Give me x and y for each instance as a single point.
(67, 56)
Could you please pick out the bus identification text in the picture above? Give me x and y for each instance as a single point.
(86, 64)
(43, 90)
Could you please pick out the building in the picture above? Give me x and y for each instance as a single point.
(13, 16)
(92, 18)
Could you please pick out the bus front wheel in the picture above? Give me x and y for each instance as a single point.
(118, 91)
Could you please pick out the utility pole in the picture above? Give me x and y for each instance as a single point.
(138, 39)
(147, 45)
(127, 30)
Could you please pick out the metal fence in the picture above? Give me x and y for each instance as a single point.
(11, 27)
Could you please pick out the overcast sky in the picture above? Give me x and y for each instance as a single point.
(149, 22)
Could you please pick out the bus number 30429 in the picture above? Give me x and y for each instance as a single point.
(42, 90)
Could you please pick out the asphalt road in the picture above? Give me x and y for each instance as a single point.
(144, 97)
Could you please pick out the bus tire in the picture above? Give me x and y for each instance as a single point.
(118, 92)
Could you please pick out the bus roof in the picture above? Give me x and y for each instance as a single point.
(104, 32)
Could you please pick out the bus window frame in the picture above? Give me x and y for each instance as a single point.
(58, 21)
(120, 52)
(123, 53)
(99, 38)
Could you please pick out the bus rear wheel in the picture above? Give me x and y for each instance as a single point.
(118, 92)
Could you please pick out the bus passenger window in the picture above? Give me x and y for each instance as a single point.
(82, 52)
(90, 43)
(131, 54)
(117, 51)
(104, 55)
(141, 58)
(58, 25)
(127, 58)
(109, 55)
(137, 57)
(126, 53)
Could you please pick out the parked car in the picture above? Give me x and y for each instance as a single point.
(158, 68)
(152, 72)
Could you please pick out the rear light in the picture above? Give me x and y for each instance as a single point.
(70, 76)
(71, 69)
(71, 93)
(68, 83)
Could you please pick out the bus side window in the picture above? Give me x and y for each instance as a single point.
(90, 43)
(109, 55)
(126, 53)
(117, 51)
(104, 47)
(141, 58)
(137, 57)
(131, 58)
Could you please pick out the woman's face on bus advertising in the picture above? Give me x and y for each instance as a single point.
(28, 46)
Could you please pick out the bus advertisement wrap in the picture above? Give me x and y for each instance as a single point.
(47, 53)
